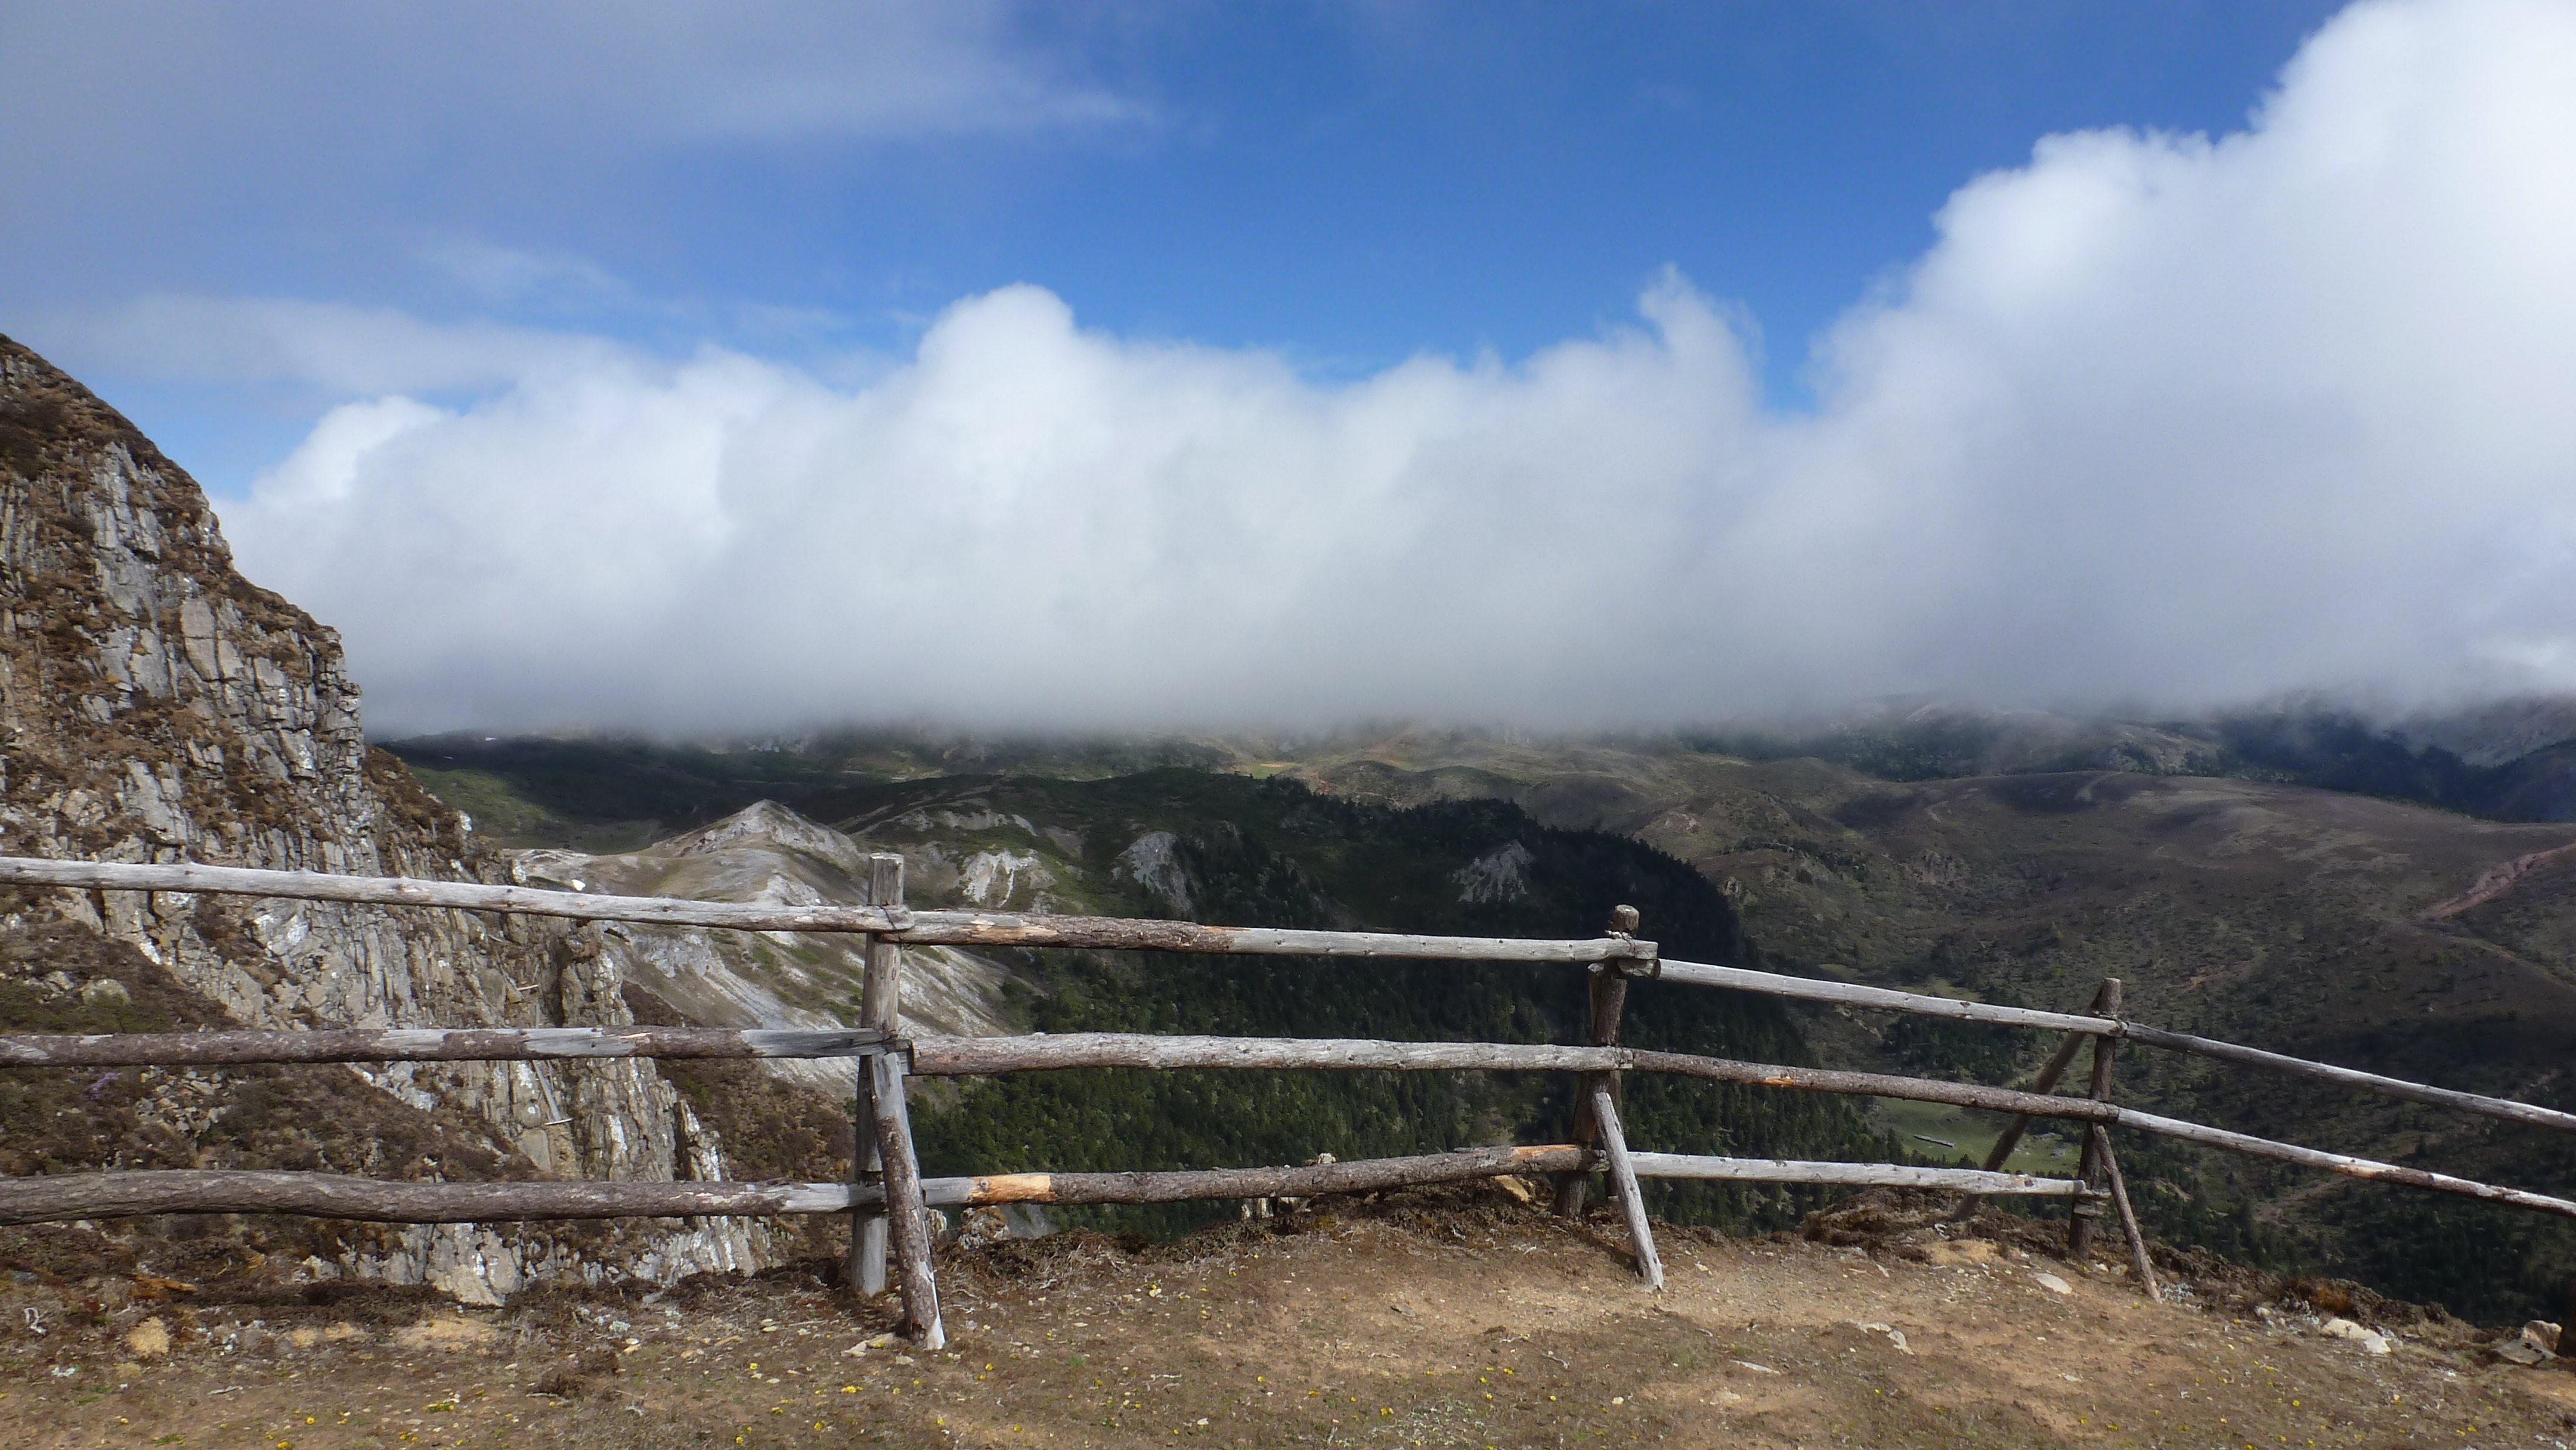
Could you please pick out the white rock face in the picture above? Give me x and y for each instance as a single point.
(1153, 862)
(1499, 875)
(993, 878)
(158, 707)
(768, 853)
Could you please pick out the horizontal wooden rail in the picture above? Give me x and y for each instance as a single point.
(1882, 998)
(1865, 1175)
(2394, 1087)
(967, 1056)
(1365, 1175)
(133, 1193)
(422, 1044)
(900, 924)
(2345, 1164)
(984, 1056)
(1886, 999)
(136, 1193)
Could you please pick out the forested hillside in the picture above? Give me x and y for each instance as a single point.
(2376, 933)
(1273, 853)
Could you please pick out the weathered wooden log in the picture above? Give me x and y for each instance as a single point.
(1609, 1001)
(2345, 1164)
(132, 1193)
(141, 1192)
(881, 1010)
(410, 891)
(423, 1044)
(2139, 1262)
(2055, 1068)
(2080, 1219)
(1858, 1175)
(903, 1204)
(938, 1056)
(986, 1056)
(1869, 1084)
(1623, 1183)
(918, 928)
(1361, 1176)
(2081, 1028)
(1881, 998)
(1103, 933)
(2415, 1092)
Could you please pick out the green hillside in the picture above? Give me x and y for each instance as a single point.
(1273, 853)
(2352, 926)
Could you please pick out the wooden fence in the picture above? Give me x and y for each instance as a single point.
(888, 1198)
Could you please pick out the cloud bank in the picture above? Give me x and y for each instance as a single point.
(2157, 417)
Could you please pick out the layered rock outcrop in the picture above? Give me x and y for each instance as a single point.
(157, 706)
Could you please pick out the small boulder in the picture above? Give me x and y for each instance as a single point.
(446, 1332)
(2519, 1350)
(106, 992)
(2053, 1284)
(1952, 1253)
(149, 1339)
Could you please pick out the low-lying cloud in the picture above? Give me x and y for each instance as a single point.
(2158, 417)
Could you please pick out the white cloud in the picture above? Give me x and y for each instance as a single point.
(2157, 417)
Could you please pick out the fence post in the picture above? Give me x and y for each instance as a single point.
(2140, 1262)
(907, 1221)
(1623, 1183)
(880, 1007)
(2082, 1213)
(1609, 1000)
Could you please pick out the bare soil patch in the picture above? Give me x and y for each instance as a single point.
(1451, 1319)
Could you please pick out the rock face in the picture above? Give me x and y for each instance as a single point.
(769, 854)
(156, 706)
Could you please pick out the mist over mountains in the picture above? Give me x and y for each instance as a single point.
(2183, 419)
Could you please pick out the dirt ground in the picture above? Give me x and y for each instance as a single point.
(1450, 1320)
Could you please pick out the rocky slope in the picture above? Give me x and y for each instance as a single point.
(768, 853)
(157, 706)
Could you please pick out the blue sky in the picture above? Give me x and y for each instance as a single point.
(1346, 184)
(2027, 351)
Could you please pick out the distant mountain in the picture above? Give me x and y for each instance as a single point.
(768, 853)
(2332, 924)
(1216, 847)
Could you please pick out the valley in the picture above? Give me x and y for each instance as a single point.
(2312, 885)
(2383, 934)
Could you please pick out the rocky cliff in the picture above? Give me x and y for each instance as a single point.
(157, 706)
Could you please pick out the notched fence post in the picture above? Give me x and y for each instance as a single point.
(1609, 1002)
(880, 1007)
(2085, 1212)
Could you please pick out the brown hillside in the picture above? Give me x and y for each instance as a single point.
(2367, 932)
